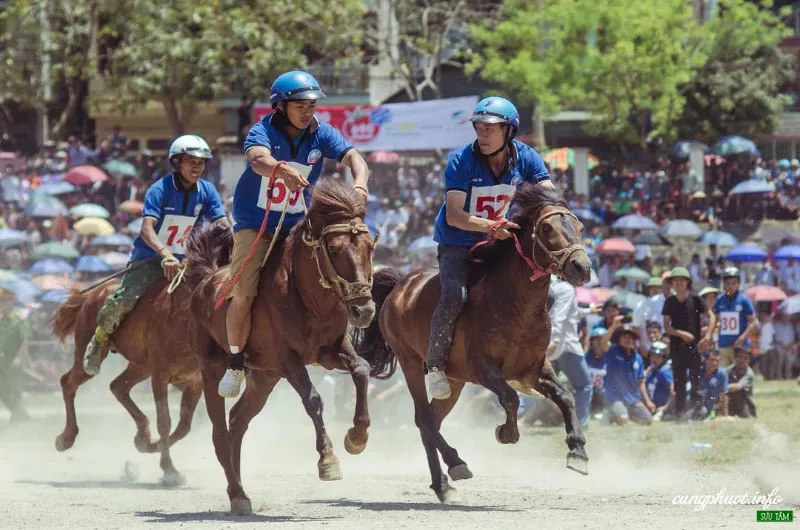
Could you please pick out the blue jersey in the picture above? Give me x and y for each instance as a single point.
(658, 383)
(597, 370)
(733, 313)
(711, 387)
(305, 154)
(487, 196)
(176, 211)
(624, 374)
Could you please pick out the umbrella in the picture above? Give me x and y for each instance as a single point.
(602, 294)
(11, 238)
(55, 188)
(790, 306)
(789, 251)
(422, 244)
(92, 264)
(135, 226)
(564, 157)
(89, 210)
(56, 296)
(117, 260)
(48, 282)
(735, 145)
(585, 296)
(683, 149)
(113, 240)
(616, 245)
(6, 274)
(50, 266)
(588, 217)
(633, 273)
(121, 167)
(55, 250)
(45, 206)
(680, 228)
(84, 175)
(746, 254)
(719, 238)
(634, 222)
(653, 239)
(136, 207)
(94, 226)
(384, 157)
(629, 299)
(765, 293)
(753, 186)
(25, 290)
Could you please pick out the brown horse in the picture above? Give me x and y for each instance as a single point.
(501, 335)
(311, 286)
(154, 340)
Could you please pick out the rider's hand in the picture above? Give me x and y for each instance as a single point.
(294, 179)
(503, 231)
(170, 265)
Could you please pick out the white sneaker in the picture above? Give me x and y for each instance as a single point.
(438, 385)
(93, 357)
(230, 383)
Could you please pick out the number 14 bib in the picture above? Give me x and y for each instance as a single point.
(491, 202)
(174, 232)
(281, 194)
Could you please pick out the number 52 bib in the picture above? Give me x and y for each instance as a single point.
(491, 202)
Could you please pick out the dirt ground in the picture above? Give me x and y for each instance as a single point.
(103, 482)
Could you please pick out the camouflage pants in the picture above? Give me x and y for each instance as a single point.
(10, 387)
(134, 284)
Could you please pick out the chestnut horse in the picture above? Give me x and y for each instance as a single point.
(501, 335)
(154, 339)
(314, 282)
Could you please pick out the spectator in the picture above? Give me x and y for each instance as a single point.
(766, 345)
(595, 360)
(77, 153)
(741, 379)
(625, 394)
(766, 275)
(610, 312)
(785, 346)
(649, 310)
(736, 315)
(659, 380)
(790, 276)
(118, 142)
(713, 391)
(709, 297)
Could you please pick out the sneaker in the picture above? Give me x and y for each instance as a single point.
(438, 386)
(230, 383)
(94, 357)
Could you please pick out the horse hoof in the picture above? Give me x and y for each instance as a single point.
(329, 469)
(459, 472)
(501, 436)
(241, 507)
(64, 442)
(448, 496)
(131, 473)
(578, 463)
(353, 448)
(143, 444)
(173, 479)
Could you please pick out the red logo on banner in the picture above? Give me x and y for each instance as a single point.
(358, 128)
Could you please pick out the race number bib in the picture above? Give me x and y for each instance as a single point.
(281, 194)
(729, 323)
(491, 202)
(174, 232)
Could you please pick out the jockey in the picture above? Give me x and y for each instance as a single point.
(480, 180)
(291, 144)
(172, 206)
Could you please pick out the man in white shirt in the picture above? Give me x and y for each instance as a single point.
(650, 309)
(785, 346)
(790, 276)
(766, 345)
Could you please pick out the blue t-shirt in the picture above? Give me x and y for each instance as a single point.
(306, 154)
(657, 383)
(624, 374)
(733, 313)
(487, 196)
(597, 370)
(176, 211)
(711, 386)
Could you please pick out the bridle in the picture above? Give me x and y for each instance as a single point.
(558, 258)
(329, 278)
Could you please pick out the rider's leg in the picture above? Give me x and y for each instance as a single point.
(133, 286)
(238, 318)
(454, 267)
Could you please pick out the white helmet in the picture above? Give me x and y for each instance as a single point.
(191, 145)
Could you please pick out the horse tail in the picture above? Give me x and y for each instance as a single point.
(369, 342)
(64, 319)
(208, 249)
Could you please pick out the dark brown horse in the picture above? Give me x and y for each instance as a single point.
(154, 338)
(310, 287)
(502, 334)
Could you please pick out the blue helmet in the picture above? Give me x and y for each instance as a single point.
(294, 85)
(496, 110)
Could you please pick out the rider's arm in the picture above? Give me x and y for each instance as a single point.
(261, 160)
(148, 235)
(458, 218)
(358, 166)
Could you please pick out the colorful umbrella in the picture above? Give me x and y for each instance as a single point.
(49, 282)
(680, 228)
(719, 238)
(565, 157)
(93, 226)
(12, 238)
(25, 290)
(634, 222)
(50, 266)
(735, 145)
(585, 296)
(114, 240)
(616, 245)
(54, 188)
(55, 250)
(653, 239)
(753, 186)
(45, 206)
(120, 167)
(89, 210)
(765, 293)
(136, 207)
(746, 254)
(602, 294)
(633, 273)
(85, 175)
(789, 251)
(92, 264)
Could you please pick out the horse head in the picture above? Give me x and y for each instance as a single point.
(552, 235)
(342, 247)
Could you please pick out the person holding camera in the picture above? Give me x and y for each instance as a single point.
(625, 394)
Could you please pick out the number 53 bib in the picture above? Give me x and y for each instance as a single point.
(281, 194)
(174, 232)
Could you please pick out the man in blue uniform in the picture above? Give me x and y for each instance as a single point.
(625, 395)
(659, 380)
(290, 144)
(172, 207)
(480, 180)
(736, 316)
(713, 389)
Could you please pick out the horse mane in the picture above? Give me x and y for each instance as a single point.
(528, 201)
(207, 249)
(333, 201)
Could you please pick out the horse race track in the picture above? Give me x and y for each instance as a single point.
(634, 473)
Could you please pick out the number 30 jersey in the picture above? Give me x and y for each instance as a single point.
(487, 196)
(176, 211)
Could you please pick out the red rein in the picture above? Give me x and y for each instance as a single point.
(538, 272)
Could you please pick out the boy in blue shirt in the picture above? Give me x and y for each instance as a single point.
(713, 389)
(659, 380)
(736, 315)
(625, 394)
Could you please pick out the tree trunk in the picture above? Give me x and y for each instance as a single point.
(172, 114)
(67, 117)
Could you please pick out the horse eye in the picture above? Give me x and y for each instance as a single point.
(546, 228)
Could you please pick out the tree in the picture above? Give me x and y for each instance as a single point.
(415, 38)
(184, 51)
(737, 91)
(624, 61)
